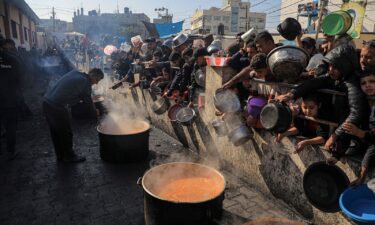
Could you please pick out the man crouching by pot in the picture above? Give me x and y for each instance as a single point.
(72, 88)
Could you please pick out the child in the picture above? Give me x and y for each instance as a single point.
(316, 133)
(367, 82)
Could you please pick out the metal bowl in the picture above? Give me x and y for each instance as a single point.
(185, 116)
(287, 62)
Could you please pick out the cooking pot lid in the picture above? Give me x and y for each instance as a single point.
(323, 185)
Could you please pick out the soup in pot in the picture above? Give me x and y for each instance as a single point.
(190, 189)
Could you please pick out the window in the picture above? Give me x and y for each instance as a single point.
(25, 32)
(217, 18)
(208, 18)
(14, 29)
(260, 20)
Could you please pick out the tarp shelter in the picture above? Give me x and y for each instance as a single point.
(163, 30)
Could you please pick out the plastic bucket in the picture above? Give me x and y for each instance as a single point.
(337, 23)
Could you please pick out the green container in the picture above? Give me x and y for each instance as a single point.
(337, 23)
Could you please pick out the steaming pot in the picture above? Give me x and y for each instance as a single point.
(124, 147)
(161, 211)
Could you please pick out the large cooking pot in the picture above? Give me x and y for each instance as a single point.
(220, 127)
(274, 221)
(186, 116)
(160, 106)
(276, 117)
(239, 135)
(226, 101)
(182, 193)
(130, 146)
(323, 185)
(287, 62)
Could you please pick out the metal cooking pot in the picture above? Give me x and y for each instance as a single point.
(276, 117)
(323, 185)
(160, 106)
(220, 127)
(161, 211)
(179, 40)
(239, 135)
(186, 116)
(172, 112)
(226, 101)
(290, 28)
(287, 62)
(200, 78)
(124, 147)
(233, 120)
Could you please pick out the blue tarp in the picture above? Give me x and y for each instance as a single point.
(167, 30)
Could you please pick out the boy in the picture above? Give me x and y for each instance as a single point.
(316, 133)
(367, 82)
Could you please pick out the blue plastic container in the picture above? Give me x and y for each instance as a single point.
(359, 204)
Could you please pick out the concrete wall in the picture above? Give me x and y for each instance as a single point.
(264, 164)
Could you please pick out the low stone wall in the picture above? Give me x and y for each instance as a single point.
(263, 163)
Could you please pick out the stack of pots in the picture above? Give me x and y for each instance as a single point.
(227, 102)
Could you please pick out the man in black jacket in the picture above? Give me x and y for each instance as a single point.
(10, 85)
(72, 88)
(342, 62)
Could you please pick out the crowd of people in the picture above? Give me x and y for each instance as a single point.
(176, 67)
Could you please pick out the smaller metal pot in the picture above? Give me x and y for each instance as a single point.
(240, 135)
(220, 127)
(276, 117)
(172, 112)
(233, 120)
(160, 106)
(186, 116)
(155, 90)
(226, 101)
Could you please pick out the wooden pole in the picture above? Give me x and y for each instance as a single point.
(323, 4)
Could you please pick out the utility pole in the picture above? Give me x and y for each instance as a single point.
(53, 18)
(323, 4)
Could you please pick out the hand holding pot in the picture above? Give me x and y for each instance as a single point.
(328, 146)
(285, 97)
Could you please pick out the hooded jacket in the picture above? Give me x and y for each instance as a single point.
(344, 58)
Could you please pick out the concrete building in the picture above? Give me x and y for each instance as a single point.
(54, 26)
(121, 24)
(289, 8)
(18, 22)
(235, 16)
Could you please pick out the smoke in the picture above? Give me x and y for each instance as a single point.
(121, 117)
